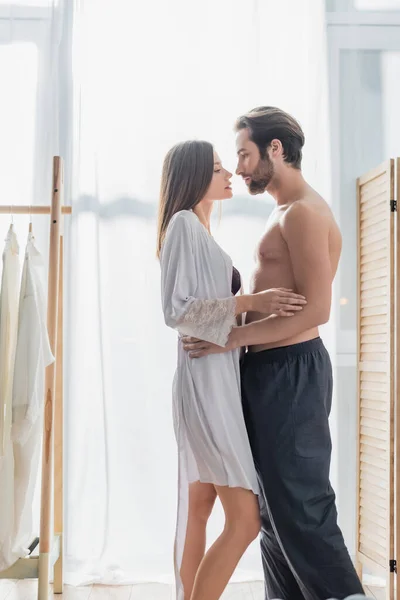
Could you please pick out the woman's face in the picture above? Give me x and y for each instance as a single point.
(220, 186)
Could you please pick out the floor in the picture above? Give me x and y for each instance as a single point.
(27, 590)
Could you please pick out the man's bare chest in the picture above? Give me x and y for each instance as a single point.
(272, 247)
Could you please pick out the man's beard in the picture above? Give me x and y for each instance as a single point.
(261, 176)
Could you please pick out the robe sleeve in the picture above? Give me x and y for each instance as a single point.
(208, 320)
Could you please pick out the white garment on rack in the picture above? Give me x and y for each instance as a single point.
(33, 355)
(8, 336)
(8, 332)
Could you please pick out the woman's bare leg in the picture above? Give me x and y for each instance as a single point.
(242, 526)
(201, 501)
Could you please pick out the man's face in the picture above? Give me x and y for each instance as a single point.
(257, 172)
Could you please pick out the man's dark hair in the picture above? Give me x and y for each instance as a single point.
(267, 123)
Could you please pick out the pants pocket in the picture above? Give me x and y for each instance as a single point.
(310, 422)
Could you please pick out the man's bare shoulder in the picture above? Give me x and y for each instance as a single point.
(311, 210)
(311, 216)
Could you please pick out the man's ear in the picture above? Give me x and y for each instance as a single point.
(276, 148)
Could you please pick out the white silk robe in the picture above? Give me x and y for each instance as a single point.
(213, 447)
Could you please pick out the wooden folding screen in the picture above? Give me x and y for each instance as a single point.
(376, 371)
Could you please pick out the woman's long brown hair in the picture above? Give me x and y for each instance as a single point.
(186, 176)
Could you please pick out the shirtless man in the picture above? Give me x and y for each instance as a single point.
(286, 373)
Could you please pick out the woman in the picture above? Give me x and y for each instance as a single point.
(199, 285)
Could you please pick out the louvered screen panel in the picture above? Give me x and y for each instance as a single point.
(375, 366)
(397, 379)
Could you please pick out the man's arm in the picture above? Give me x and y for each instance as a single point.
(307, 236)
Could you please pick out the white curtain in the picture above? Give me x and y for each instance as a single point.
(111, 86)
(146, 75)
(30, 59)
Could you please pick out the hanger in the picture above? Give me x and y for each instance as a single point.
(30, 218)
